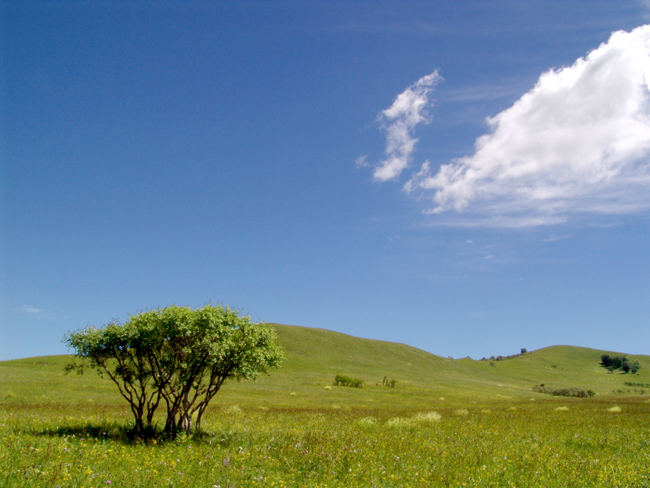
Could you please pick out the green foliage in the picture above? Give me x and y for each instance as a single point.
(175, 355)
(389, 382)
(341, 380)
(567, 392)
(613, 363)
(641, 385)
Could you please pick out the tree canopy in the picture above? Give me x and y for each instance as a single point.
(175, 355)
(613, 363)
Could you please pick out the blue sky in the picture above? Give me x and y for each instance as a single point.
(469, 178)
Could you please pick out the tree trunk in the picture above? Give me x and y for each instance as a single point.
(185, 422)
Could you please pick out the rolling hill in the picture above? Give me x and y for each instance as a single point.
(315, 356)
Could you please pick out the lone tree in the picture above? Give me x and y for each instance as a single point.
(176, 355)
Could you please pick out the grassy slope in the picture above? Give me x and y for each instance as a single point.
(314, 356)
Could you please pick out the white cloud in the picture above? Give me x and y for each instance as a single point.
(32, 310)
(38, 311)
(409, 109)
(579, 141)
(362, 162)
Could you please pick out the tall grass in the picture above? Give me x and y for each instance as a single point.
(85, 445)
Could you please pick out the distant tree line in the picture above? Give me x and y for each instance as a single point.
(613, 363)
(501, 358)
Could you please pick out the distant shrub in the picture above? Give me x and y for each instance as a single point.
(366, 422)
(640, 385)
(567, 392)
(629, 391)
(398, 422)
(389, 382)
(615, 409)
(341, 380)
(420, 418)
(613, 363)
(428, 417)
(234, 410)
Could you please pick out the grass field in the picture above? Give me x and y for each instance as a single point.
(445, 423)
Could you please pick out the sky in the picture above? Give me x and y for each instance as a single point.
(469, 178)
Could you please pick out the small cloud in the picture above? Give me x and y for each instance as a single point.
(37, 311)
(32, 310)
(469, 241)
(410, 108)
(362, 162)
(555, 238)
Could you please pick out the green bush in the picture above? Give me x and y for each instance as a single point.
(641, 385)
(341, 380)
(612, 363)
(568, 392)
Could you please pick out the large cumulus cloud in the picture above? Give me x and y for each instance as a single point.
(578, 142)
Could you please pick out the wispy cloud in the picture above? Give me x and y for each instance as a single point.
(410, 108)
(486, 92)
(578, 142)
(555, 238)
(40, 312)
(362, 162)
(646, 9)
(32, 310)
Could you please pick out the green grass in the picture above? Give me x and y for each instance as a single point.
(446, 423)
(485, 444)
(315, 356)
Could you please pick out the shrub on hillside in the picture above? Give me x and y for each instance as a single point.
(612, 363)
(567, 392)
(341, 380)
(641, 385)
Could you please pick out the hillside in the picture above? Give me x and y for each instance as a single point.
(315, 356)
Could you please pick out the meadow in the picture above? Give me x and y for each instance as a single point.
(444, 423)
